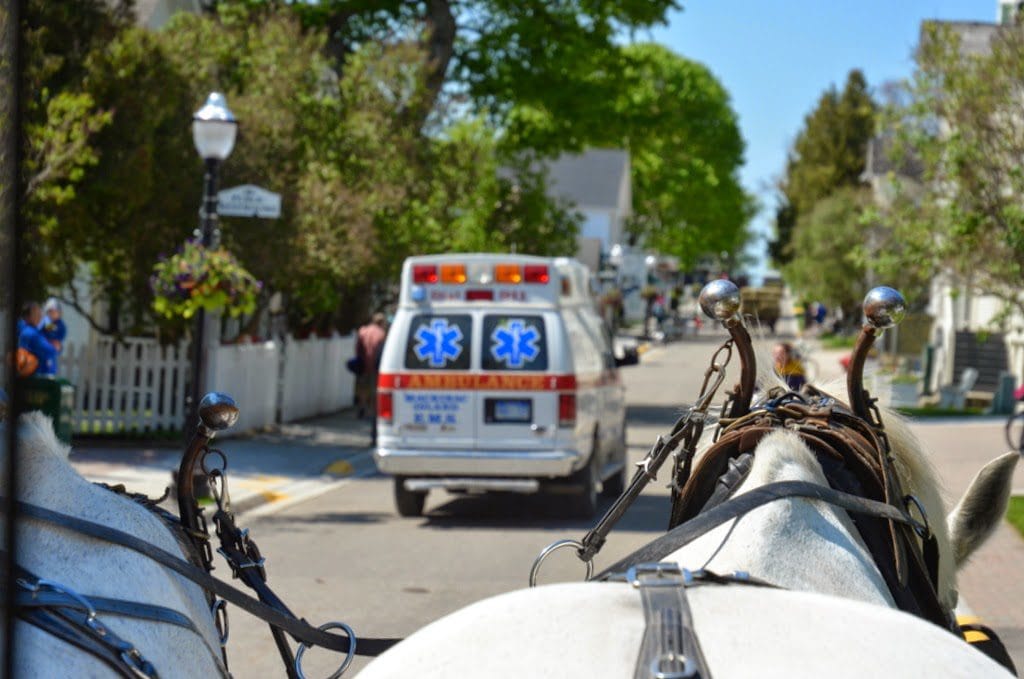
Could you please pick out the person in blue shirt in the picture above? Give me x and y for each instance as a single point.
(53, 327)
(31, 339)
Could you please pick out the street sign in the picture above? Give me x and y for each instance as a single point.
(249, 200)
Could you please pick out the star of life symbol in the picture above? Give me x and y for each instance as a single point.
(515, 343)
(438, 343)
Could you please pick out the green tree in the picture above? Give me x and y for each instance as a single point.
(536, 68)
(827, 262)
(961, 123)
(685, 149)
(829, 153)
(60, 122)
(363, 185)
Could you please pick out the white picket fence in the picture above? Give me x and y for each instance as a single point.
(137, 384)
(249, 372)
(123, 385)
(315, 380)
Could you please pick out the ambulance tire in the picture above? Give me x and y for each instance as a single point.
(409, 504)
(584, 501)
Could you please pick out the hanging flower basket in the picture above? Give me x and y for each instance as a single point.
(198, 278)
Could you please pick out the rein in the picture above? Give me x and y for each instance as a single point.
(299, 629)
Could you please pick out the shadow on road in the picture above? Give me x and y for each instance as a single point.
(493, 510)
(653, 415)
(363, 518)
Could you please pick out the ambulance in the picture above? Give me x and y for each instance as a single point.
(498, 374)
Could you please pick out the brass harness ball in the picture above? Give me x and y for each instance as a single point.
(720, 299)
(884, 307)
(218, 411)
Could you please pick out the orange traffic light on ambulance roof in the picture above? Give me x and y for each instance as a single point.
(453, 273)
(508, 273)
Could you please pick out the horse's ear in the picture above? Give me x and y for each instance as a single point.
(982, 507)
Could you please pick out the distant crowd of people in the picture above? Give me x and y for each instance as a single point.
(41, 333)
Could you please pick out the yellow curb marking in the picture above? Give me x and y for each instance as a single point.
(339, 468)
(273, 495)
(642, 348)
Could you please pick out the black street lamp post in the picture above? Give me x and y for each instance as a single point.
(213, 131)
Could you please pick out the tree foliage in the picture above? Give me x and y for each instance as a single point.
(115, 181)
(827, 244)
(829, 153)
(686, 149)
(961, 122)
(535, 68)
(389, 128)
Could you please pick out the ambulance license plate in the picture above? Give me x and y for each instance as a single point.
(508, 410)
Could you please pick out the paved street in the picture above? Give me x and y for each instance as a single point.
(343, 554)
(346, 554)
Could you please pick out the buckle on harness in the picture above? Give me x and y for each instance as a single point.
(661, 574)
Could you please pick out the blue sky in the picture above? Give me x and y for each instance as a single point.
(776, 57)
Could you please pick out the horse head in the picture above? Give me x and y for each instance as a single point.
(800, 543)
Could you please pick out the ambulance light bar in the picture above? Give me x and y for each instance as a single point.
(536, 273)
(424, 273)
(508, 273)
(453, 273)
(456, 274)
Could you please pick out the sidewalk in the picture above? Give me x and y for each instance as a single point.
(296, 462)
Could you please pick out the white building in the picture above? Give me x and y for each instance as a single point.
(599, 183)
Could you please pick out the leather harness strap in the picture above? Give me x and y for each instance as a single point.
(298, 629)
(738, 506)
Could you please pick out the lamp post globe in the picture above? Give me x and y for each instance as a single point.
(213, 128)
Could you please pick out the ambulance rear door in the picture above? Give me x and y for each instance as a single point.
(434, 399)
(517, 392)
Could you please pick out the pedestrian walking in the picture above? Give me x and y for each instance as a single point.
(369, 343)
(32, 340)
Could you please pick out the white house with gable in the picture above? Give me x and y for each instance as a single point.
(598, 182)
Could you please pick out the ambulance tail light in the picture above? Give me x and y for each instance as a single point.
(453, 273)
(536, 273)
(479, 295)
(508, 273)
(385, 407)
(424, 273)
(567, 410)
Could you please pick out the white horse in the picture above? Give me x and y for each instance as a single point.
(835, 617)
(91, 567)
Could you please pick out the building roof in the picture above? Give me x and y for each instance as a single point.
(592, 179)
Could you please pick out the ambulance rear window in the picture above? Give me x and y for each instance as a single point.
(514, 342)
(439, 342)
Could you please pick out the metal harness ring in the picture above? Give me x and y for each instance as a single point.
(220, 620)
(348, 658)
(923, 530)
(553, 547)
